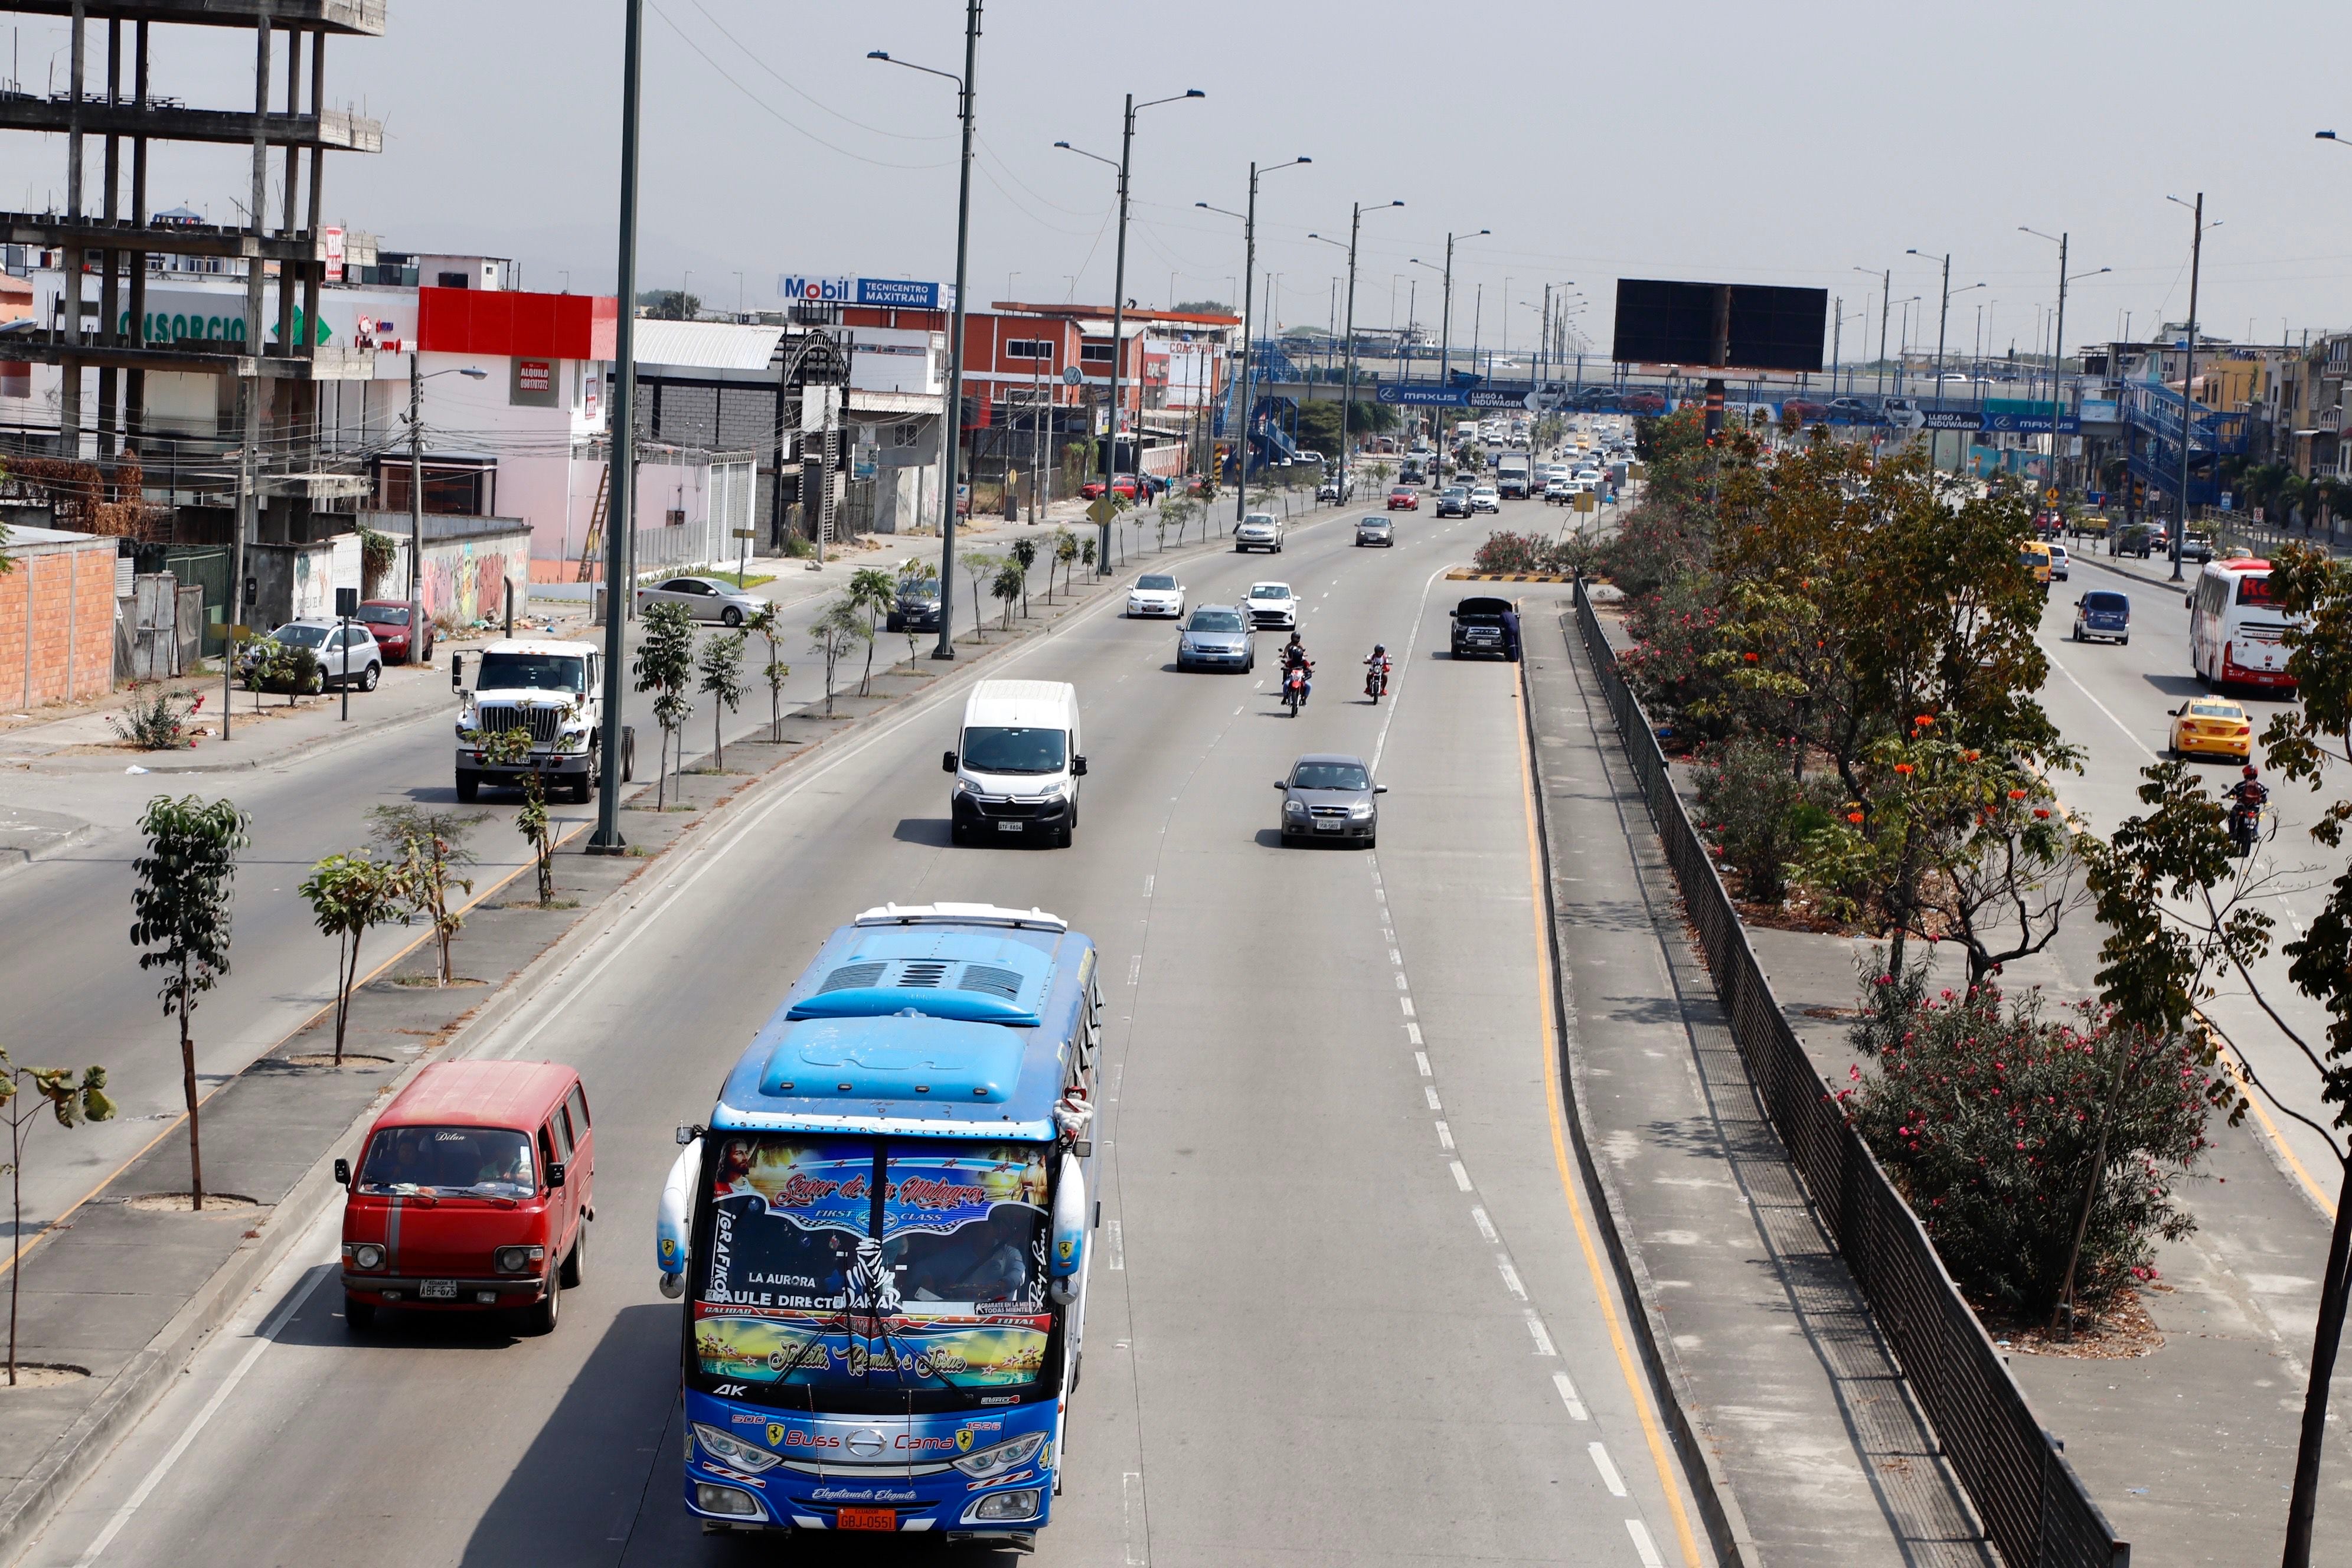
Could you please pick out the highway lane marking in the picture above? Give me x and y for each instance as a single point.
(1462, 1177)
(1575, 1410)
(1486, 1226)
(1607, 1469)
(1541, 1335)
(1510, 1276)
(1395, 957)
(1117, 1248)
(1546, 996)
(1411, 641)
(1421, 1058)
(180, 1445)
(1139, 1552)
(1431, 1090)
(1445, 1137)
(1400, 984)
(1405, 1003)
(1644, 1547)
(1412, 1033)
(2059, 665)
(1134, 968)
(1148, 881)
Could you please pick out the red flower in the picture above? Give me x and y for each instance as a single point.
(2017, 794)
(2041, 811)
(1902, 768)
(1854, 816)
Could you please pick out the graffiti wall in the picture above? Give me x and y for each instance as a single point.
(465, 581)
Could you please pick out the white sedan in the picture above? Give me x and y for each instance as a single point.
(1485, 497)
(1273, 605)
(1156, 594)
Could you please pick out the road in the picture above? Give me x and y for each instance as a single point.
(1326, 1096)
(77, 993)
(2114, 700)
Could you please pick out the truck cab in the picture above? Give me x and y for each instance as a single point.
(554, 689)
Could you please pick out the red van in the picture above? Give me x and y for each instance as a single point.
(471, 1194)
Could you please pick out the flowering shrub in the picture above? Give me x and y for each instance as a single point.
(1987, 1115)
(1532, 553)
(1755, 813)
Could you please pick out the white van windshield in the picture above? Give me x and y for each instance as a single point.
(1011, 749)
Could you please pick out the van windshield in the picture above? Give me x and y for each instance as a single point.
(449, 1162)
(1015, 749)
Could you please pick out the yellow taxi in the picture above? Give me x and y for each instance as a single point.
(2035, 556)
(2209, 727)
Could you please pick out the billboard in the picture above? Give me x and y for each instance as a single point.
(897, 293)
(1766, 327)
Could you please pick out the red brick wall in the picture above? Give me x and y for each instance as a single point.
(68, 591)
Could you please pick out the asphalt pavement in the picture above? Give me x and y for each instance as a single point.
(1341, 1312)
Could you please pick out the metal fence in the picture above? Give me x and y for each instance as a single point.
(2033, 1506)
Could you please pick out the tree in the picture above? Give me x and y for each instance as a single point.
(1065, 552)
(871, 590)
(348, 895)
(982, 568)
(71, 1101)
(834, 635)
(665, 664)
(671, 304)
(1182, 510)
(433, 845)
(768, 621)
(1024, 556)
(1006, 587)
(914, 573)
(180, 908)
(721, 666)
(510, 748)
(1086, 555)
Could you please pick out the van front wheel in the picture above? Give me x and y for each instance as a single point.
(540, 1316)
(358, 1316)
(575, 1263)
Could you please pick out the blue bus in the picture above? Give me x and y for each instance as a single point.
(881, 1237)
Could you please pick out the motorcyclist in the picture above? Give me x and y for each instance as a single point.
(2250, 791)
(1295, 659)
(1376, 669)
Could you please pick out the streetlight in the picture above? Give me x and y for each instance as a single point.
(2187, 406)
(606, 839)
(1249, 300)
(1942, 316)
(1348, 397)
(2058, 354)
(1885, 289)
(417, 488)
(1118, 304)
(951, 410)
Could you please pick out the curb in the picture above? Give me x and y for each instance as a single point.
(17, 859)
(1726, 1525)
(28, 1508)
(1463, 576)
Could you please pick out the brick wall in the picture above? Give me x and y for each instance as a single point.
(56, 623)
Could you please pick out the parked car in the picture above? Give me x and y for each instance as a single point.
(1454, 502)
(2213, 727)
(914, 608)
(1216, 637)
(705, 598)
(1156, 594)
(472, 1195)
(1804, 410)
(1849, 411)
(1641, 402)
(1124, 487)
(1375, 530)
(1259, 531)
(2196, 544)
(1273, 605)
(2131, 539)
(388, 620)
(2102, 614)
(1329, 796)
(347, 655)
(1403, 499)
(1486, 625)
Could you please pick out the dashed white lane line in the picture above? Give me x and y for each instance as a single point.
(1148, 881)
(1607, 1469)
(1510, 1277)
(1400, 984)
(1118, 1247)
(1575, 1410)
(1461, 1176)
(1130, 1502)
(1542, 1337)
(1396, 958)
(1134, 968)
(1421, 1060)
(1412, 1033)
(1486, 1227)
(1431, 1091)
(1644, 1547)
(1445, 1137)
(1405, 1003)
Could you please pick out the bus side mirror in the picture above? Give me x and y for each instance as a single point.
(343, 1172)
(946, 761)
(555, 1175)
(456, 672)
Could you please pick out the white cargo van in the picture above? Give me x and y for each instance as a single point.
(1017, 763)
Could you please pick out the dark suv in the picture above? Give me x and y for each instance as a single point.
(1454, 500)
(916, 608)
(1483, 625)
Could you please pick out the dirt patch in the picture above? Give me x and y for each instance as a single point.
(177, 1203)
(354, 1061)
(1833, 1014)
(43, 1374)
(433, 983)
(2124, 1330)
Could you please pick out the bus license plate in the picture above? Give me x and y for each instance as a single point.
(1010, 828)
(868, 1519)
(439, 1291)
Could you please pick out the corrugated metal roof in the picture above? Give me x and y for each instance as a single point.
(705, 345)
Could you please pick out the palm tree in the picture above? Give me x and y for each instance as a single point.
(871, 590)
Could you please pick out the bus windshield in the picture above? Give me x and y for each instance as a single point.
(880, 1267)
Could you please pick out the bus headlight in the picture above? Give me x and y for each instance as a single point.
(1006, 1507)
(732, 1452)
(1002, 1458)
(724, 1500)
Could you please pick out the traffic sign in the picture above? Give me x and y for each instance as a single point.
(1069, 376)
(2051, 495)
(742, 533)
(1102, 511)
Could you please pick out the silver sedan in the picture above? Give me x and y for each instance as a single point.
(705, 598)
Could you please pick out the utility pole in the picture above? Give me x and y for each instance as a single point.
(2188, 434)
(1885, 303)
(416, 506)
(952, 421)
(1118, 334)
(621, 490)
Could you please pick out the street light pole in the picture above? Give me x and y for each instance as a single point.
(1348, 397)
(2187, 388)
(621, 489)
(1247, 374)
(951, 411)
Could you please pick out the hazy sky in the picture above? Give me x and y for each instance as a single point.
(1781, 143)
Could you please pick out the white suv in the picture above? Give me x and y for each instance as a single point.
(1259, 531)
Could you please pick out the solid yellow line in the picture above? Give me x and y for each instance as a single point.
(26, 1244)
(1554, 1102)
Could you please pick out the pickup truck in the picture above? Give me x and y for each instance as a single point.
(1484, 625)
(554, 688)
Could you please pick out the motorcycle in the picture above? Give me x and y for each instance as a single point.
(1294, 689)
(1376, 679)
(2245, 827)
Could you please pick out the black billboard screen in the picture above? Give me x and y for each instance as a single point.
(1665, 323)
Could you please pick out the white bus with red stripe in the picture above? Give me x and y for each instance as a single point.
(2236, 635)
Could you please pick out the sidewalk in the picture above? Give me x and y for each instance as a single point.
(1766, 1341)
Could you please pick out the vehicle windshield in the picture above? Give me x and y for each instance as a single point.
(1215, 621)
(2216, 711)
(1156, 581)
(2104, 601)
(385, 615)
(848, 1265)
(1015, 749)
(1330, 775)
(449, 1162)
(1269, 591)
(302, 637)
(533, 671)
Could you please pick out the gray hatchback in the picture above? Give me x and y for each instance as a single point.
(1329, 796)
(1216, 637)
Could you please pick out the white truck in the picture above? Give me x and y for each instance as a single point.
(554, 688)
